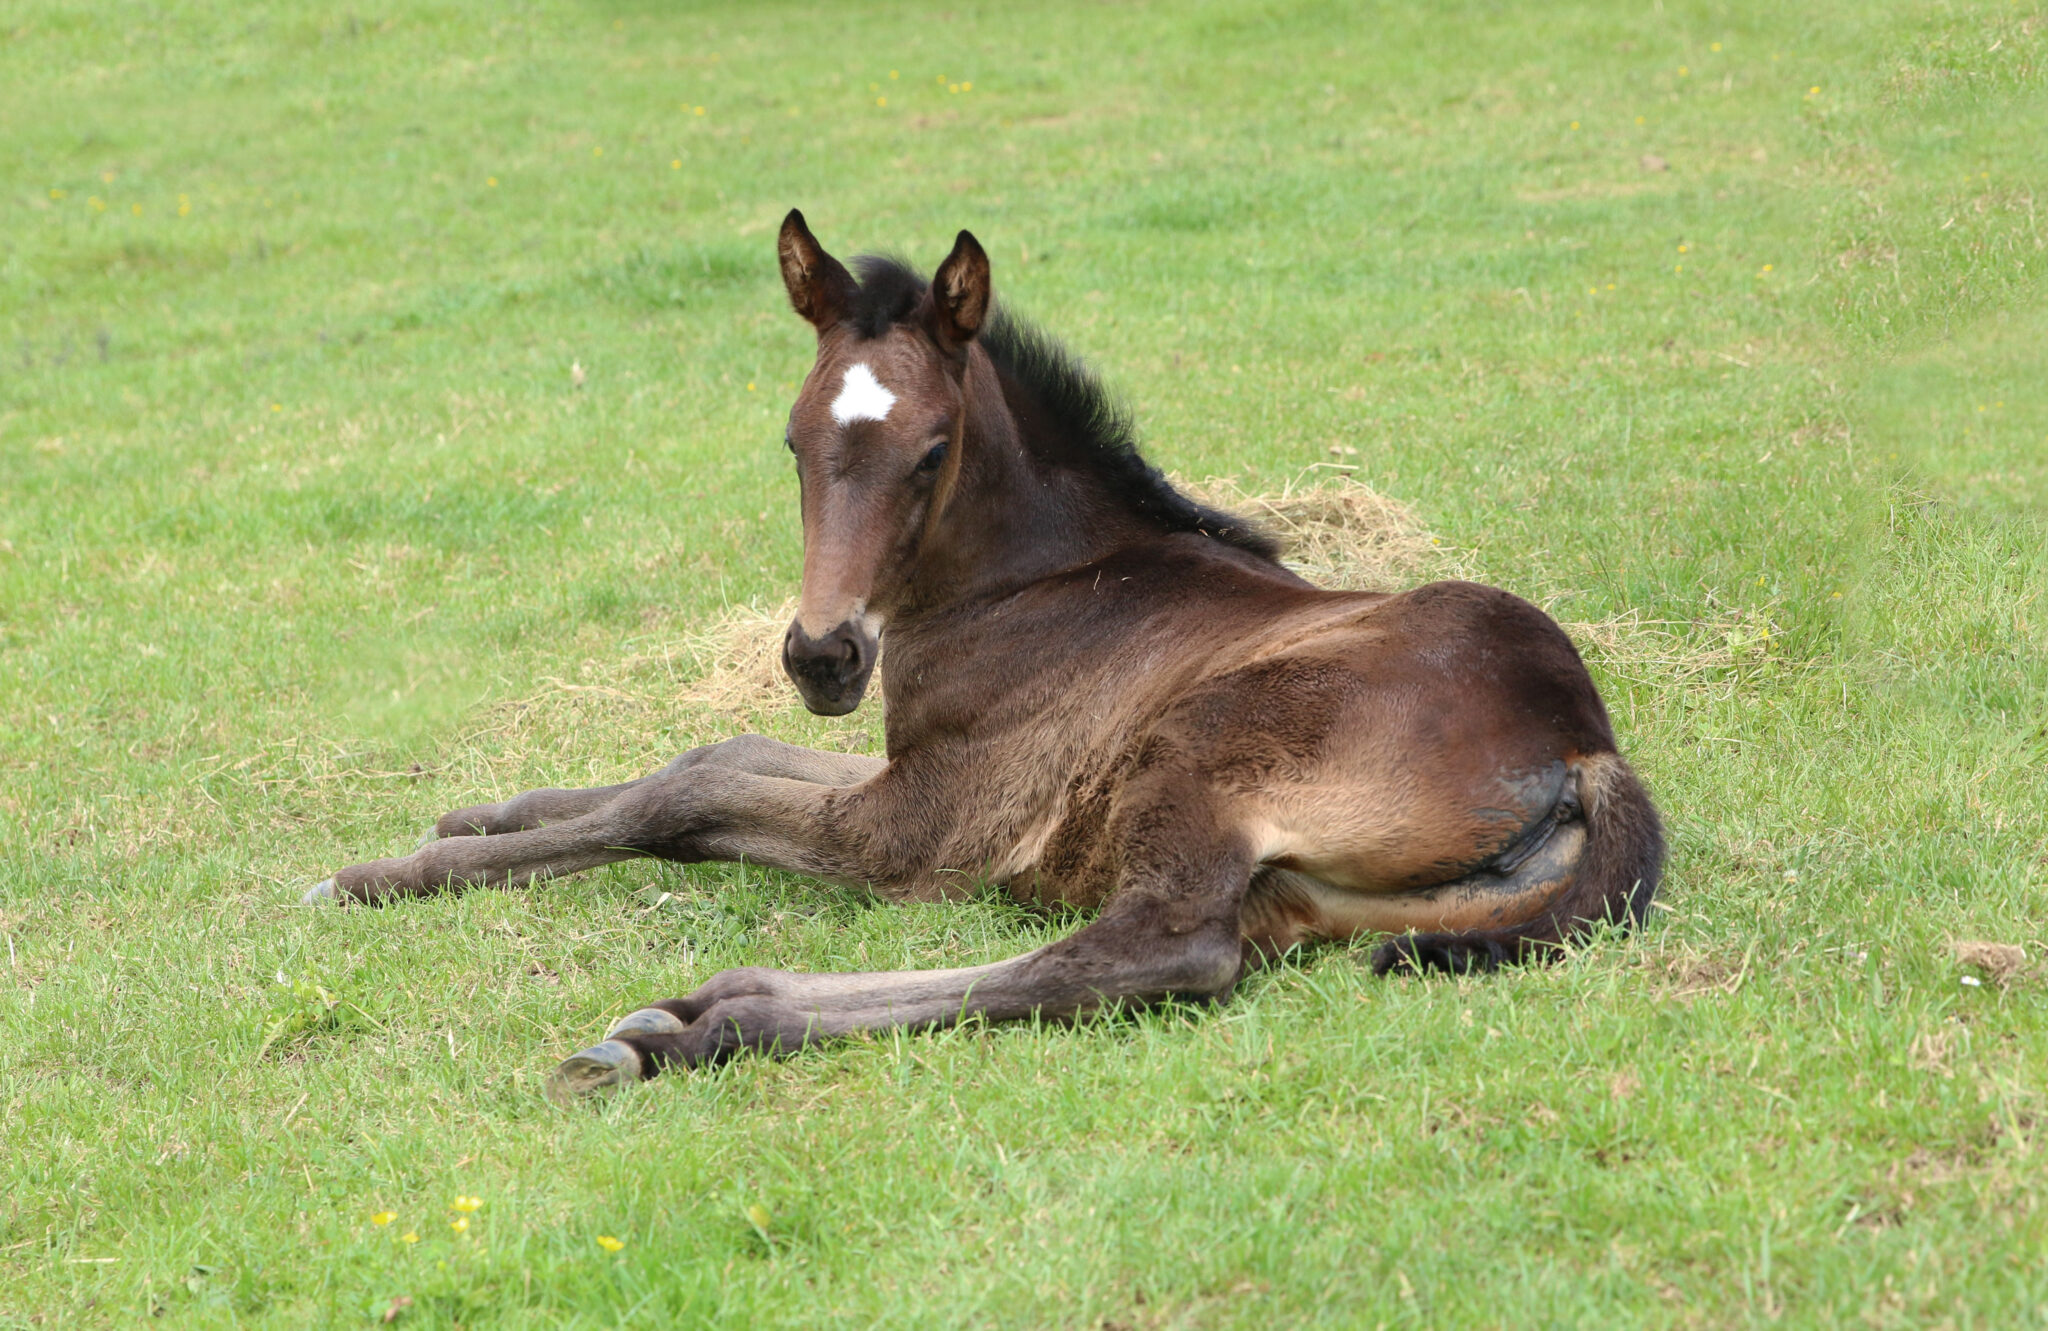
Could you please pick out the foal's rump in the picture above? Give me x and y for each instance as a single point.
(1437, 765)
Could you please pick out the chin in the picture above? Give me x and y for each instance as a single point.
(832, 706)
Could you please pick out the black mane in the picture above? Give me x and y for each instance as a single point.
(1087, 425)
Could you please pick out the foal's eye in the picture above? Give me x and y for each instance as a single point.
(934, 459)
(788, 442)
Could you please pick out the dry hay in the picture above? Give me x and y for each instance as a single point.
(706, 680)
(739, 663)
(1338, 532)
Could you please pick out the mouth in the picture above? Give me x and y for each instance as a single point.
(819, 704)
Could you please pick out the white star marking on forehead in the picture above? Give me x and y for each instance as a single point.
(862, 397)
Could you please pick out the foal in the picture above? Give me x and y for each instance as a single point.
(1098, 693)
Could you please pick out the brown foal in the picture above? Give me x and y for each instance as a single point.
(1099, 693)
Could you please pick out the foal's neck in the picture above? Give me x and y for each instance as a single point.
(1015, 516)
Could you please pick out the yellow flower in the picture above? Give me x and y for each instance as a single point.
(1575, 124)
(892, 73)
(466, 1203)
(1767, 268)
(106, 177)
(460, 1224)
(608, 1243)
(98, 205)
(56, 194)
(750, 385)
(1715, 47)
(135, 208)
(491, 181)
(410, 1237)
(881, 101)
(696, 110)
(1683, 248)
(1678, 268)
(277, 406)
(383, 1217)
(597, 152)
(1639, 120)
(1683, 71)
(676, 165)
(967, 87)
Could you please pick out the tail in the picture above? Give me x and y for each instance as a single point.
(1613, 882)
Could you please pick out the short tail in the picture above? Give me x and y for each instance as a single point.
(1613, 882)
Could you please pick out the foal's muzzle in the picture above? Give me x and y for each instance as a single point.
(830, 672)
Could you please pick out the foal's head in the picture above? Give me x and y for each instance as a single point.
(877, 433)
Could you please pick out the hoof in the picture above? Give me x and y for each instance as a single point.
(647, 1021)
(597, 1070)
(323, 892)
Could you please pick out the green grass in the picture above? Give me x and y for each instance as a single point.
(305, 536)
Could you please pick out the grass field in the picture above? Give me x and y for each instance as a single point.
(1717, 329)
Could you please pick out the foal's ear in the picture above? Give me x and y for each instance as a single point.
(819, 286)
(960, 294)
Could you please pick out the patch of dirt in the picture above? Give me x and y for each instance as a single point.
(2000, 962)
(1592, 189)
(1691, 975)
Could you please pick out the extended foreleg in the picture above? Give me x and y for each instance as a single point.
(687, 812)
(745, 753)
(1171, 931)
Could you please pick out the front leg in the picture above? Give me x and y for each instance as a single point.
(686, 813)
(746, 753)
(1172, 930)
